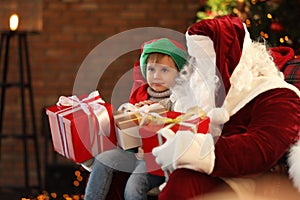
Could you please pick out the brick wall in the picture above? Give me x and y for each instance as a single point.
(71, 30)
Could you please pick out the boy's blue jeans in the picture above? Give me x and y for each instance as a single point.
(138, 184)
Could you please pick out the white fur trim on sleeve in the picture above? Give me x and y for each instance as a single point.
(196, 152)
(218, 115)
(294, 164)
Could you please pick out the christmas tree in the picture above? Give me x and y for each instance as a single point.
(277, 21)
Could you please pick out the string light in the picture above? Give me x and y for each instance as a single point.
(53, 195)
(253, 2)
(266, 35)
(76, 183)
(77, 173)
(76, 197)
(281, 40)
(79, 178)
(286, 38)
(248, 22)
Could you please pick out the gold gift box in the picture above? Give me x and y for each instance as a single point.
(127, 125)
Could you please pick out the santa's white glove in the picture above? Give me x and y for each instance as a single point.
(187, 150)
(194, 151)
(164, 152)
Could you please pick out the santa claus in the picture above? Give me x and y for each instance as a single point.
(255, 125)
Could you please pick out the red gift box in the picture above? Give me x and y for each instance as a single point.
(151, 139)
(81, 129)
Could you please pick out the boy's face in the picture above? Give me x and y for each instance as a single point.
(161, 75)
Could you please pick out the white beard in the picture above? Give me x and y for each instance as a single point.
(192, 89)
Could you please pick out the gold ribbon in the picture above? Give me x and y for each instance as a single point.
(158, 119)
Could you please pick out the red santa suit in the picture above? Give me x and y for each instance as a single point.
(259, 116)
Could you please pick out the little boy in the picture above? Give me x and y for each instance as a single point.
(160, 62)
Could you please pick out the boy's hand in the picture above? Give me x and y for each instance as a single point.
(146, 102)
(140, 154)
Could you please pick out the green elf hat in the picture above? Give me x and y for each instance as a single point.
(166, 46)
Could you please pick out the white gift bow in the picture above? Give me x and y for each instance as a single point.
(91, 105)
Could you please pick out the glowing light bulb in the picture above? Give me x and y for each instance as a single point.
(281, 40)
(13, 22)
(286, 38)
(269, 16)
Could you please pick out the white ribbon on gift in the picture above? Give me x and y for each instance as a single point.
(74, 100)
(92, 106)
(143, 111)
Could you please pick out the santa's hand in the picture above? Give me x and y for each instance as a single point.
(163, 153)
(194, 151)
